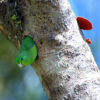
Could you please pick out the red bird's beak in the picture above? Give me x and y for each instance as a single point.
(84, 23)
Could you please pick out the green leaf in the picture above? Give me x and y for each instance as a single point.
(14, 17)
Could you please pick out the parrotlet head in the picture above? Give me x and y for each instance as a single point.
(28, 52)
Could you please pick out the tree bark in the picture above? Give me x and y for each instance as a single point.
(65, 64)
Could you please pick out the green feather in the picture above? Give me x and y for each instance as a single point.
(28, 52)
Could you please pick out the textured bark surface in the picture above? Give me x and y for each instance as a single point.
(65, 65)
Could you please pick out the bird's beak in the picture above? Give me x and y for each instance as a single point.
(20, 65)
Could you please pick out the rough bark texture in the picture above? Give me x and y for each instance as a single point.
(65, 65)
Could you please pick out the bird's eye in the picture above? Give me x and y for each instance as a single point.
(21, 59)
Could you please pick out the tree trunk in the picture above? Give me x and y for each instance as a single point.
(65, 64)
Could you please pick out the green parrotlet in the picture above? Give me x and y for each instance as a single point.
(28, 52)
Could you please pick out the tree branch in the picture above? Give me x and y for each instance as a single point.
(65, 66)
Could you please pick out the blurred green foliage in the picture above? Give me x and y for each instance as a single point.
(16, 83)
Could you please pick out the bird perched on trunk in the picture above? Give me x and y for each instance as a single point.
(28, 52)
